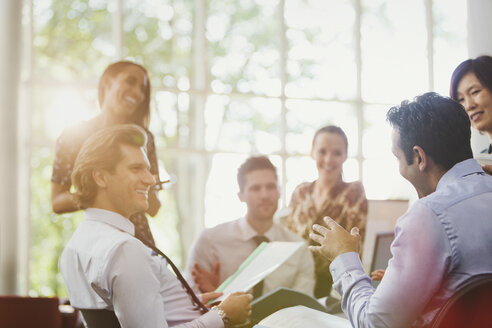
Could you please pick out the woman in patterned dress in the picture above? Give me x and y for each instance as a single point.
(329, 195)
(124, 97)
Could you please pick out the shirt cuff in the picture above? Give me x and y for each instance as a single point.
(212, 319)
(343, 263)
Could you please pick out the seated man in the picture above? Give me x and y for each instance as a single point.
(445, 237)
(105, 267)
(219, 251)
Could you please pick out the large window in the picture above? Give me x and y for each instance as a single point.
(230, 79)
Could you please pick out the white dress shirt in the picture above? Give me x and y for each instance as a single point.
(232, 242)
(105, 267)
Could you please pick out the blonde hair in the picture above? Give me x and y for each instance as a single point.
(102, 151)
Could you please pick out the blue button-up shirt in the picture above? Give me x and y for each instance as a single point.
(440, 242)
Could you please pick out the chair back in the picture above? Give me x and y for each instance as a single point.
(470, 307)
(27, 312)
(100, 318)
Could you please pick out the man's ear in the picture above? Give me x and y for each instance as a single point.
(100, 177)
(420, 157)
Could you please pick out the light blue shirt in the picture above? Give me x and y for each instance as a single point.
(440, 242)
(105, 267)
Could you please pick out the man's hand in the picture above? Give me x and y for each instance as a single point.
(378, 274)
(210, 296)
(334, 239)
(487, 169)
(206, 281)
(237, 307)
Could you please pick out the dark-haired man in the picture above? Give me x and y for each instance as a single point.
(444, 239)
(219, 251)
(105, 267)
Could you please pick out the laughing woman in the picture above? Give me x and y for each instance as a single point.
(124, 97)
(329, 195)
(471, 86)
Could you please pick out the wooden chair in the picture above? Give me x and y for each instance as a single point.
(470, 307)
(27, 312)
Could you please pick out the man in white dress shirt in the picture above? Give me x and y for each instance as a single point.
(219, 251)
(104, 266)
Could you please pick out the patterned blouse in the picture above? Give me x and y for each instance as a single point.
(346, 204)
(67, 148)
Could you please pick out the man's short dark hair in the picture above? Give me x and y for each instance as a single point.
(252, 164)
(439, 125)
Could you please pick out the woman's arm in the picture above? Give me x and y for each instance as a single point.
(61, 199)
(154, 202)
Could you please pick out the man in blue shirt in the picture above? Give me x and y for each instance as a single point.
(443, 240)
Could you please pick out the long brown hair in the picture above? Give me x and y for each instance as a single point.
(142, 115)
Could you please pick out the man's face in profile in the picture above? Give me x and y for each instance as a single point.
(127, 186)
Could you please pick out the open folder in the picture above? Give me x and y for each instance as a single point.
(301, 317)
(264, 260)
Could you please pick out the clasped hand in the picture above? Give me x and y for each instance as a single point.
(334, 239)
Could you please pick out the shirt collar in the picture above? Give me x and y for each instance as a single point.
(247, 232)
(111, 218)
(459, 170)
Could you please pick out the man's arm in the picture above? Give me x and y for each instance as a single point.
(421, 256)
(62, 199)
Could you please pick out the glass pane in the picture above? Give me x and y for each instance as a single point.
(305, 117)
(49, 232)
(243, 39)
(56, 108)
(394, 53)
(72, 39)
(376, 141)
(382, 180)
(242, 125)
(158, 34)
(294, 167)
(450, 46)
(221, 201)
(164, 225)
(165, 119)
(321, 60)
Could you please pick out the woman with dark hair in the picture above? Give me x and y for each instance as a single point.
(471, 86)
(329, 195)
(124, 97)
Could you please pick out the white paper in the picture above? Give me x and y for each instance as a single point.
(302, 317)
(269, 259)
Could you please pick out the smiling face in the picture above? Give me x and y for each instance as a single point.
(125, 92)
(260, 193)
(329, 152)
(127, 186)
(477, 101)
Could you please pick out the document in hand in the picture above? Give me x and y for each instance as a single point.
(301, 317)
(264, 260)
